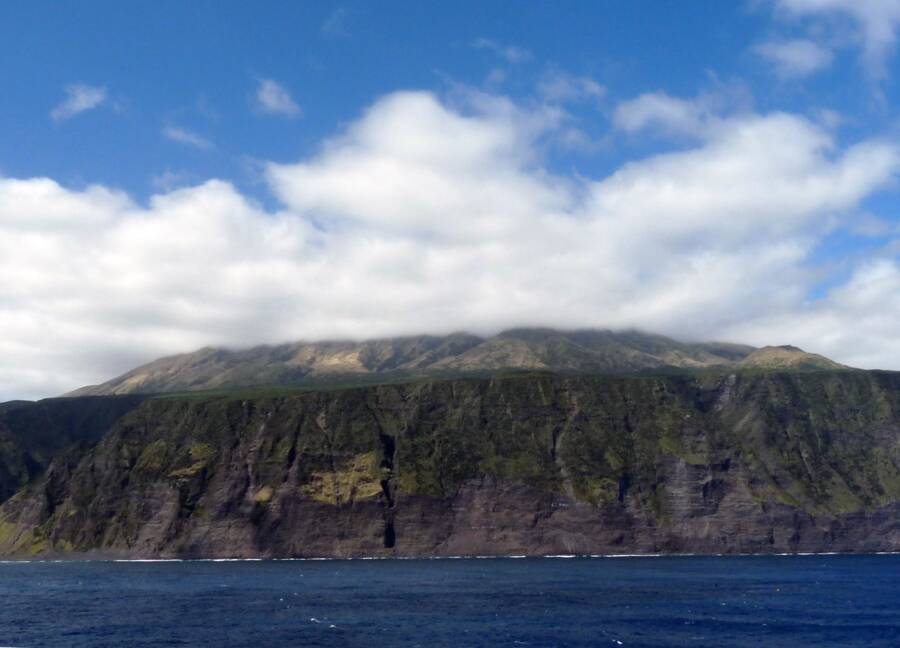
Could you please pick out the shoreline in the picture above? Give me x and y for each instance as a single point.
(13, 561)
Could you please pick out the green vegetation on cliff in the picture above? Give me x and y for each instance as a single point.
(539, 463)
(33, 434)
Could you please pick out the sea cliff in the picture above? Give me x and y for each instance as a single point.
(745, 462)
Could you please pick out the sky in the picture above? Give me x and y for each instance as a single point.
(177, 175)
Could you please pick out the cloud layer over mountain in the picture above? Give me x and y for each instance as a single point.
(435, 214)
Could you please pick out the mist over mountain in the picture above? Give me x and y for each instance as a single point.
(578, 351)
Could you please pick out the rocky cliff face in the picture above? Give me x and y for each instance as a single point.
(33, 434)
(537, 464)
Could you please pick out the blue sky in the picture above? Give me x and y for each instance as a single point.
(268, 115)
(196, 66)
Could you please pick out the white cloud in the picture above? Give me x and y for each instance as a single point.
(559, 87)
(79, 98)
(795, 58)
(857, 322)
(187, 137)
(509, 53)
(876, 21)
(424, 216)
(664, 112)
(695, 117)
(274, 99)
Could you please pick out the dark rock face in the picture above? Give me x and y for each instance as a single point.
(761, 462)
(32, 434)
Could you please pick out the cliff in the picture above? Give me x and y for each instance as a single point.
(33, 434)
(527, 464)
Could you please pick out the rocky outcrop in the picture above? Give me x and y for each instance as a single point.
(530, 464)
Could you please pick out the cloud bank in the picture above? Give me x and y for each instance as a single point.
(426, 215)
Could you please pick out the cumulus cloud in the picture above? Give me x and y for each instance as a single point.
(429, 216)
(186, 137)
(795, 58)
(274, 99)
(876, 23)
(79, 98)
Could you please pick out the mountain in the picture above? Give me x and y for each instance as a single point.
(715, 462)
(787, 357)
(316, 363)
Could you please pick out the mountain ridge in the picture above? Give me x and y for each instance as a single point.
(577, 351)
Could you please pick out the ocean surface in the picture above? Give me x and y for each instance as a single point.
(640, 601)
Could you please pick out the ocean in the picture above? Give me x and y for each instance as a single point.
(821, 600)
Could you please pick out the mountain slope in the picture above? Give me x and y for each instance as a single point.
(787, 357)
(586, 351)
(754, 462)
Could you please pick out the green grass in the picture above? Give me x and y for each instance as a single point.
(351, 381)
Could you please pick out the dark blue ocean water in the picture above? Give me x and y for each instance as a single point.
(652, 601)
